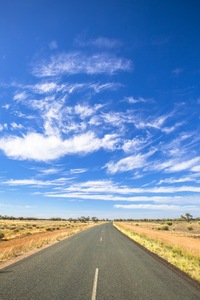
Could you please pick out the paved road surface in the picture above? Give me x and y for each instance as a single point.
(97, 264)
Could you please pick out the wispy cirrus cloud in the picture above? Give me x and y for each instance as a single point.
(156, 123)
(184, 165)
(20, 96)
(78, 171)
(100, 42)
(177, 164)
(174, 127)
(177, 71)
(134, 145)
(128, 163)
(53, 45)
(107, 190)
(158, 207)
(174, 180)
(35, 182)
(15, 126)
(3, 127)
(133, 100)
(76, 63)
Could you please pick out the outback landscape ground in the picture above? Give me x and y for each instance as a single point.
(18, 237)
(176, 241)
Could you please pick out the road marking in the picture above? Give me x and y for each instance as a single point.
(101, 239)
(94, 291)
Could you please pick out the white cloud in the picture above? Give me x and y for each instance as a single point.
(19, 182)
(53, 45)
(185, 165)
(126, 164)
(6, 106)
(20, 96)
(75, 63)
(101, 42)
(176, 180)
(133, 145)
(168, 130)
(105, 86)
(78, 171)
(15, 126)
(157, 207)
(46, 87)
(156, 123)
(177, 71)
(196, 168)
(129, 163)
(3, 126)
(83, 110)
(172, 189)
(49, 171)
(133, 100)
(35, 182)
(39, 147)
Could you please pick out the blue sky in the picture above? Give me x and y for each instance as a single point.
(99, 108)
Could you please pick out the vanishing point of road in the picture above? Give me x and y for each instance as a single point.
(96, 264)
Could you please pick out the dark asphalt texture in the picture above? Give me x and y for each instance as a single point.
(66, 270)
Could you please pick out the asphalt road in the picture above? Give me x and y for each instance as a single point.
(96, 264)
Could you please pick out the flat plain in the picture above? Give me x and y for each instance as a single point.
(97, 263)
(22, 236)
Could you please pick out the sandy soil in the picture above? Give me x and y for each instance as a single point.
(181, 239)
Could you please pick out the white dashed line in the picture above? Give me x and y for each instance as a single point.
(94, 291)
(101, 239)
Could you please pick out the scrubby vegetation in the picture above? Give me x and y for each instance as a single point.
(20, 235)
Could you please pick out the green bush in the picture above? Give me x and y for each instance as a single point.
(169, 223)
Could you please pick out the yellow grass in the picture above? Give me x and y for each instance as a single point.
(23, 236)
(177, 245)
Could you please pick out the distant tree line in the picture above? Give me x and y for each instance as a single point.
(81, 219)
(187, 217)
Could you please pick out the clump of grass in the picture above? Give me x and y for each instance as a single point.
(165, 227)
(190, 228)
(169, 223)
(50, 229)
(1, 235)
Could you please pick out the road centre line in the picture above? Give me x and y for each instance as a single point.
(94, 291)
(101, 239)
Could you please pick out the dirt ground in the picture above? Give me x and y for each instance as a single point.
(177, 234)
(28, 242)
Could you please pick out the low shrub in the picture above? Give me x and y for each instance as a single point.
(169, 223)
(190, 228)
(165, 227)
(1, 235)
(50, 229)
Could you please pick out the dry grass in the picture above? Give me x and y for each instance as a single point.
(20, 237)
(175, 243)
